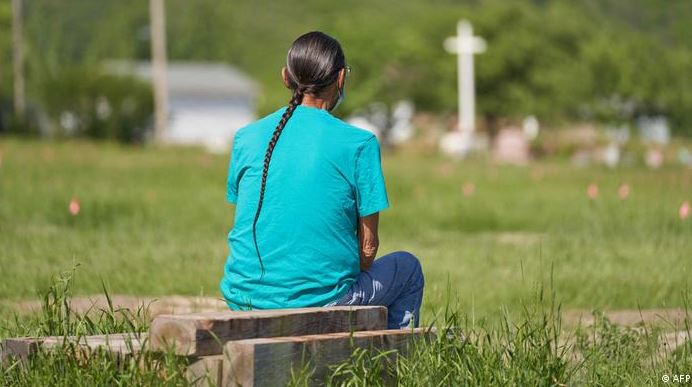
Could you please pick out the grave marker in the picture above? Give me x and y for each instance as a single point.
(465, 46)
(511, 147)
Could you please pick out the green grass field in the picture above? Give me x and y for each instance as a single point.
(154, 222)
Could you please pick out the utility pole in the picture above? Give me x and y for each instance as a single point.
(18, 61)
(157, 22)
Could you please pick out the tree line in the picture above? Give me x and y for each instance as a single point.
(607, 61)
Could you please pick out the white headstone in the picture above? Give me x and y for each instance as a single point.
(402, 129)
(531, 127)
(452, 144)
(611, 155)
(511, 146)
(654, 129)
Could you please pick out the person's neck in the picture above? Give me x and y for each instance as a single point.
(319, 103)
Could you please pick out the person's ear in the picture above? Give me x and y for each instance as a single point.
(284, 76)
(340, 82)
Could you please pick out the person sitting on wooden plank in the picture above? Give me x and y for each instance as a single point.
(308, 189)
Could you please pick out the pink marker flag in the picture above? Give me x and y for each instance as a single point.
(684, 210)
(74, 207)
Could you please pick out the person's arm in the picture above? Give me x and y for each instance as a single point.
(368, 239)
(371, 198)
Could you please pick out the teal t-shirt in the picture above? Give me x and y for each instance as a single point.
(323, 175)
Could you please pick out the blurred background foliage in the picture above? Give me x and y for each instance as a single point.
(98, 105)
(594, 60)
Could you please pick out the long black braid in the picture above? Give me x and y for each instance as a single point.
(313, 64)
(295, 101)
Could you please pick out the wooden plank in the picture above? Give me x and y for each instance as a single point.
(121, 344)
(19, 348)
(203, 334)
(269, 361)
(205, 371)
(671, 341)
(155, 305)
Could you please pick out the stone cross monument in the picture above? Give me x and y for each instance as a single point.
(465, 45)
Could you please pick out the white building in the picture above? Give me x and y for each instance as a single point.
(207, 102)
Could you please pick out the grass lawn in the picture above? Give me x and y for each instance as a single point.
(154, 222)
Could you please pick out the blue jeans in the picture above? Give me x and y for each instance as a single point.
(395, 281)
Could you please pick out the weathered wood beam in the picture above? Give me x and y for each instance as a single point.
(202, 334)
(205, 371)
(270, 361)
(120, 344)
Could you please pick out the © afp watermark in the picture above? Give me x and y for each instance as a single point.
(677, 378)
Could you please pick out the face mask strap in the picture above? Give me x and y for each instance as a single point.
(342, 90)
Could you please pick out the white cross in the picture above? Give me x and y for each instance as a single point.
(465, 45)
